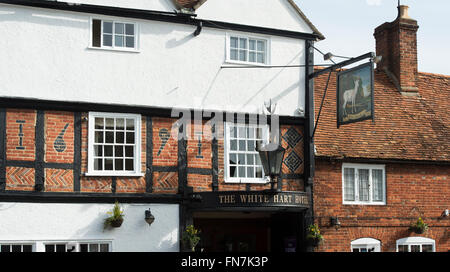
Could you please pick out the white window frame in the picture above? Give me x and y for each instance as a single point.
(76, 244)
(137, 151)
(416, 241)
(369, 167)
(366, 243)
(135, 49)
(21, 243)
(228, 179)
(266, 39)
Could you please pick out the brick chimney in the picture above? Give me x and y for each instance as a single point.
(397, 43)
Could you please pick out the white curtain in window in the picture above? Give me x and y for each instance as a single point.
(349, 184)
(363, 176)
(377, 181)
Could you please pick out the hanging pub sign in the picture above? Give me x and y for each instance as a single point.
(355, 94)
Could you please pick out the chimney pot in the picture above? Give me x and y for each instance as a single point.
(403, 12)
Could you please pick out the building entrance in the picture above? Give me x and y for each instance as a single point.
(249, 231)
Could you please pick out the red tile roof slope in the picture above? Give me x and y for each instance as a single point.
(405, 128)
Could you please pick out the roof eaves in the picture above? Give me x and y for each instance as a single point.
(308, 22)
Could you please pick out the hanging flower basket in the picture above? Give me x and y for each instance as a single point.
(419, 226)
(116, 218)
(313, 236)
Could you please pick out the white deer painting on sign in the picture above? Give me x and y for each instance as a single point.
(355, 94)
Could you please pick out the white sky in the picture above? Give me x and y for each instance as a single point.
(348, 27)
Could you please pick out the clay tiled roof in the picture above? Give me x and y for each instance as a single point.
(405, 128)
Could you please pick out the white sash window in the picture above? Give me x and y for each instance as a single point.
(363, 184)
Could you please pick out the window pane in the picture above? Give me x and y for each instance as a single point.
(250, 159)
(60, 248)
(356, 250)
(129, 151)
(83, 248)
(234, 54)
(250, 133)
(233, 172)
(234, 42)
(107, 27)
(242, 43)
(233, 132)
(349, 184)
(129, 165)
(242, 145)
(130, 124)
(261, 46)
(130, 137)
(98, 150)
(93, 248)
(120, 124)
(119, 41)
(98, 137)
(129, 29)
(98, 164)
(252, 56)
(233, 158)
(250, 172)
(49, 248)
(109, 164)
(252, 44)
(120, 137)
(363, 184)
(99, 122)
(251, 145)
(104, 248)
(27, 248)
(259, 172)
(130, 42)
(261, 58)
(242, 132)
(107, 40)
(96, 33)
(377, 183)
(109, 123)
(16, 248)
(109, 137)
(242, 55)
(118, 166)
(119, 28)
(108, 150)
(427, 248)
(403, 248)
(415, 248)
(233, 145)
(242, 172)
(241, 159)
(118, 151)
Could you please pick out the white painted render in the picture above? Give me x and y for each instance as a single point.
(160, 5)
(278, 14)
(38, 223)
(46, 54)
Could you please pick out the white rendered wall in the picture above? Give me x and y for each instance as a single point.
(161, 5)
(46, 54)
(37, 223)
(278, 14)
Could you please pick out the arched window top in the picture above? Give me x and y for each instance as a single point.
(366, 241)
(408, 240)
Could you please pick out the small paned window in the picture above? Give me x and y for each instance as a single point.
(416, 244)
(363, 184)
(243, 163)
(114, 144)
(113, 34)
(248, 50)
(16, 248)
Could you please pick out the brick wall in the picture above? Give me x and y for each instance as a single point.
(413, 190)
(59, 154)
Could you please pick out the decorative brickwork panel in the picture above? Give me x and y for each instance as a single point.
(59, 137)
(292, 141)
(130, 185)
(20, 134)
(58, 180)
(96, 184)
(165, 143)
(199, 146)
(165, 182)
(20, 179)
(293, 185)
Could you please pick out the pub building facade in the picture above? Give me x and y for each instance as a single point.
(92, 103)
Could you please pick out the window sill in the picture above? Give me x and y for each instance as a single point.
(365, 203)
(114, 49)
(247, 181)
(113, 174)
(243, 63)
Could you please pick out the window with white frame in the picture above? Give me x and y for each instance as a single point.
(16, 247)
(242, 162)
(114, 35)
(114, 144)
(78, 247)
(416, 244)
(366, 245)
(248, 49)
(363, 184)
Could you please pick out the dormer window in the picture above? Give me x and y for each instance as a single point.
(110, 34)
(249, 50)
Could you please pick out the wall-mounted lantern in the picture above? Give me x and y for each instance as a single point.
(271, 155)
(149, 218)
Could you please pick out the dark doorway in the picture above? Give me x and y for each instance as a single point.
(249, 232)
